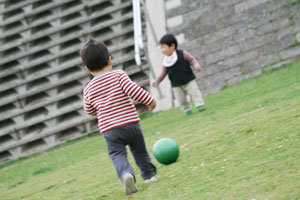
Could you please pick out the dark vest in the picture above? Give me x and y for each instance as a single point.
(180, 73)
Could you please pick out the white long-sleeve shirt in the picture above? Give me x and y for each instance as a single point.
(108, 96)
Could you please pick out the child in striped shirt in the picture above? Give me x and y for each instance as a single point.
(108, 96)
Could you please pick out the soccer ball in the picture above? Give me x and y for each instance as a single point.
(166, 151)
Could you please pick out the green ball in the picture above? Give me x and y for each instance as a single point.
(166, 151)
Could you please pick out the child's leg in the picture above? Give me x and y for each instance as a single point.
(116, 146)
(180, 95)
(195, 93)
(140, 153)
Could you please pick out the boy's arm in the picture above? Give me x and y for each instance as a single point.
(134, 90)
(89, 109)
(189, 58)
(160, 77)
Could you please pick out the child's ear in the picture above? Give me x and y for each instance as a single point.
(109, 63)
(87, 69)
(173, 45)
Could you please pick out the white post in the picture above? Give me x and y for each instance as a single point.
(156, 17)
(138, 40)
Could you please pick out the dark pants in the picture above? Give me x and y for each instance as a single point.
(116, 141)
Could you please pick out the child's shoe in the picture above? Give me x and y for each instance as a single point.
(152, 179)
(189, 112)
(129, 183)
(201, 108)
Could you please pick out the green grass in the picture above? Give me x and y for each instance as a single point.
(246, 145)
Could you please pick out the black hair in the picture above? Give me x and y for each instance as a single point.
(168, 39)
(94, 55)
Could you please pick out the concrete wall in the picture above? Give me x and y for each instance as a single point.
(235, 39)
(42, 75)
(156, 19)
(41, 72)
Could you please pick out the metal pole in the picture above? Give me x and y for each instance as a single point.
(137, 4)
(136, 31)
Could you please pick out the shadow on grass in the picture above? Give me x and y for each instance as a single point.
(67, 143)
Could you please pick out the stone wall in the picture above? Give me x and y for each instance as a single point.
(235, 39)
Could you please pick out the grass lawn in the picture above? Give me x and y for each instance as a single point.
(246, 145)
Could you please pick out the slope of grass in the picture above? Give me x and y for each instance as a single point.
(244, 146)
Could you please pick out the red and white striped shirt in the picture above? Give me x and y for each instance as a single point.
(108, 96)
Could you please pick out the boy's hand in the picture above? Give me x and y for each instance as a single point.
(198, 68)
(154, 85)
(152, 105)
